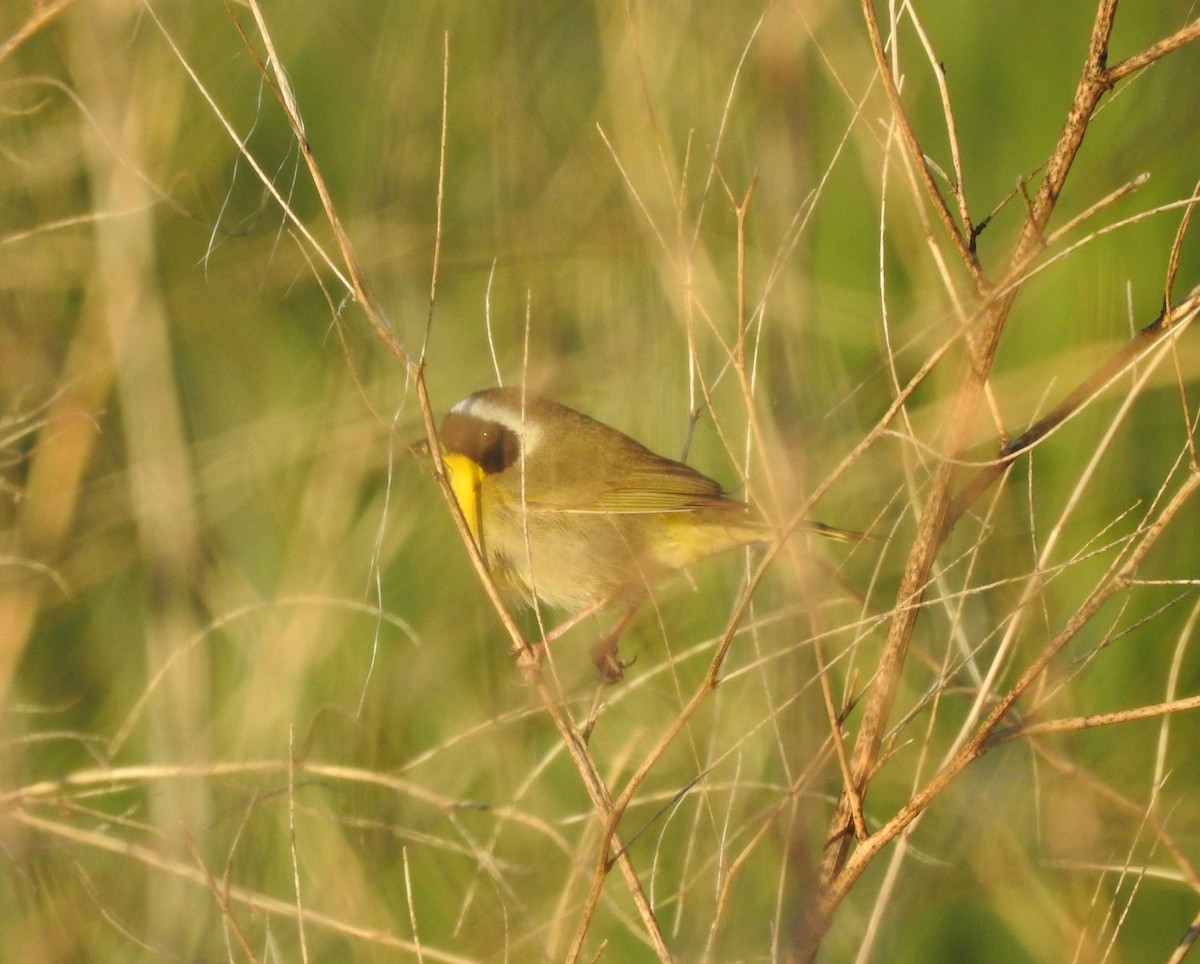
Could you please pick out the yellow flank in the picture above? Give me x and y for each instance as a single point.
(465, 477)
(685, 539)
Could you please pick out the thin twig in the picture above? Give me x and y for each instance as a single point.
(1156, 51)
(39, 18)
(441, 195)
(1115, 581)
(257, 902)
(588, 771)
(1128, 355)
(913, 148)
(297, 890)
(1026, 730)
(1095, 81)
(957, 185)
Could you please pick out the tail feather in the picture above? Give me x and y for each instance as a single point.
(833, 532)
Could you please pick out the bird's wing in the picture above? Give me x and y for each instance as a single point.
(654, 484)
(666, 486)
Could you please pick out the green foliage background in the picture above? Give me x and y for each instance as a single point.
(218, 555)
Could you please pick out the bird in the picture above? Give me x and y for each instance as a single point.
(574, 514)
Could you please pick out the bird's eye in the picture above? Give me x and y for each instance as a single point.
(499, 451)
(490, 445)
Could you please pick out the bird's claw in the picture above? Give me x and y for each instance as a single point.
(605, 658)
(529, 660)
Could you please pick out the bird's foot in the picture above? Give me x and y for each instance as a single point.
(606, 659)
(529, 660)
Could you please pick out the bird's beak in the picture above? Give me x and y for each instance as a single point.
(420, 450)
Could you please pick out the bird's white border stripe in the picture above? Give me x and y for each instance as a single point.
(486, 410)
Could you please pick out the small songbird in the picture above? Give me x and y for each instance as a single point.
(578, 515)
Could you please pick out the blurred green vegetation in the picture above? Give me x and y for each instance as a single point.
(218, 555)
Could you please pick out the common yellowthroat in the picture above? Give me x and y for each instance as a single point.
(578, 515)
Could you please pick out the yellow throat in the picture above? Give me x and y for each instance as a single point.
(465, 478)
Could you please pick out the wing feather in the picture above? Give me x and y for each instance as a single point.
(648, 487)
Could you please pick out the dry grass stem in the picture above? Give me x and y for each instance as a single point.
(264, 698)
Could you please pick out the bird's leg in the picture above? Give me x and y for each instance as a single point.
(529, 655)
(604, 652)
(572, 621)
